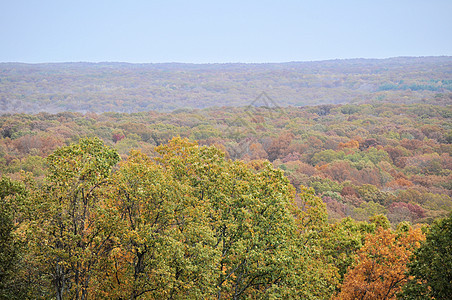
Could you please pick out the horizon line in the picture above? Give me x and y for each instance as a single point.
(223, 63)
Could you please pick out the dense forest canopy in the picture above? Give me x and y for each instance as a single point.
(361, 159)
(122, 87)
(190, 223)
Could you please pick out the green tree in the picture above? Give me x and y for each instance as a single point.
(64, 234)
(369, 192)
(341, 241)
(249, 216)
(317, 275)
(380, 220)
(431, 265)
(368, 209)
(11, 285)
(164, 245)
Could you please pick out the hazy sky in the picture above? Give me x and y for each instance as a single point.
(221, 31)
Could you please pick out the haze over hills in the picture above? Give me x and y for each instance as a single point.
(125, 87)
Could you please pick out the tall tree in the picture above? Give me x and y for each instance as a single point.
(248, 216)
(11, 285)
(64, 232)
(252, 215)
(342, 240)
(164, 245)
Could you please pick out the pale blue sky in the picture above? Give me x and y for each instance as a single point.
(221, 31)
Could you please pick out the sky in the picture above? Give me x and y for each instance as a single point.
(194, 31)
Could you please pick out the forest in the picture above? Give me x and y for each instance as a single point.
(301, 180)
(330, 201)
(360, 159)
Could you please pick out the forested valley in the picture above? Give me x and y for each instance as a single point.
(257, 198)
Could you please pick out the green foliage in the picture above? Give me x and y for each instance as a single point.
(341, 241)
(380, 220)
(327, 156)
(12, 286)
(431, 265)
(64, 233)
(253, 224)
(367, 210)
(350, 109)
(334, 195)
(188, 223)
(88, 162)
(369, 192)
(322, 185)
(32, 163)
(165, 246)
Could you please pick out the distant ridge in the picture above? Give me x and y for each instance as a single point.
(116, 63)
(131, 87)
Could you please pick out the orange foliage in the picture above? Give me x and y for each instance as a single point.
(400, 182)
(352, 144)
(257, 164)
(314, 142)
(322, 167)
(37, 145)
(349, 191)
(380, 268)
(304, 168)
(279, 146)
(257, 151)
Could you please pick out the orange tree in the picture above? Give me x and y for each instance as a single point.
(380, 268)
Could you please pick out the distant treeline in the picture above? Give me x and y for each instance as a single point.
(432, 85)
(122, 87)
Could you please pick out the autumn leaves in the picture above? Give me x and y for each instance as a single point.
(189, 223)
